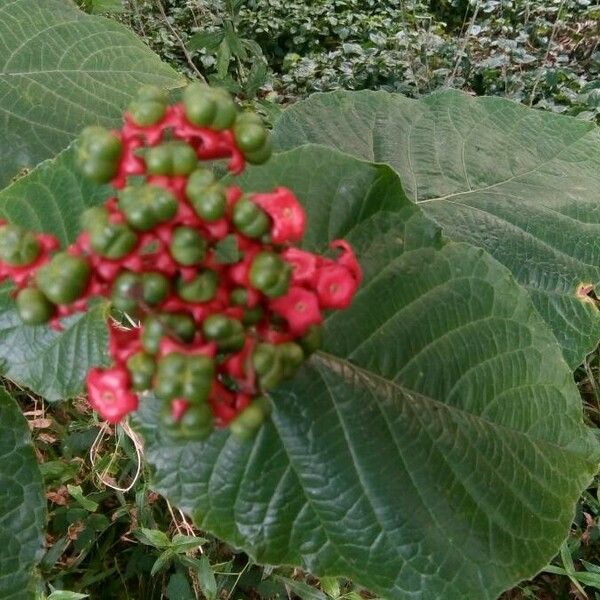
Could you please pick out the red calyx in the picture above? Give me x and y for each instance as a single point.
(287, 214)
(109, 393)
(317, 283)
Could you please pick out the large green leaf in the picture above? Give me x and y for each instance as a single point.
(435, 449)
(53, 364)
(22, 504)
(60, 70)
(521, 183)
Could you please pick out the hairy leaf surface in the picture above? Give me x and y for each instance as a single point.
(521, 183)
(53, 364)
(22, 504)
(434, 449)
(61, 70)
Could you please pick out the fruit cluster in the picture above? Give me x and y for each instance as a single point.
(226, 306)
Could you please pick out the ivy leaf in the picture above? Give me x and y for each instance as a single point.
(207, 40)
(52, 198)
(77, 494)
(22, 504)
(152, 537)
(223, 57)
(206, 577)
(520, 183)
(51, 363)
(434, 449)
(60, 70)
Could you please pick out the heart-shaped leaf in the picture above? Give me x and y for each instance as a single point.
(434, 449)
(22, 504)
(60, 70)
(521, 183)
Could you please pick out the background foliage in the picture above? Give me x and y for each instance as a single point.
(541, 52)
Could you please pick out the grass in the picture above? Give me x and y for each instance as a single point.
(110, 536)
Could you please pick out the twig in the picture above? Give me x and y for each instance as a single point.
(550, 42)
(94, 450)
(464, 44)
(187, 55)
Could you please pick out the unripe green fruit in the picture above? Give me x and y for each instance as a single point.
(152, 93)
(146, 112)
(250, 136)
(252, 315)
(127, 293)
(178, 326)
(197, 422)
(312, 340)
(267, 363)
(209, 107)
(171, 158)
(18, 247)
(249, 421)
(270, 274)
(200, 107)
(184, 376)
(131, 290)
(150, 105)
(250, 219)
(141, 367)
(97, 153)
(261, 155)
(206, 196)
(292, 357)
(111, 240)
(147, 205)
(239, 297)
(201, 288)
(65, 278)
(227, 332)
(155, 288)
(188, 247)
(33, 307)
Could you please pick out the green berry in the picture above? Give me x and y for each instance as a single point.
(188, 247)
(65, 278)
(112, 240)
(127, 293)
(261, 155)
(197, 422)
(250, 219)
(250, 137)
(184, 376)
(171, 158)
(292, 357)
(270, 274)
(201, 288)
(98, 152)
(268, 365)
(249, 421)
(155, 288)
(312, 340)
(206, 196)
(227, 332)
(33, 307)
(147, 205)
(200, 105)
(141, 367)
(18, 247)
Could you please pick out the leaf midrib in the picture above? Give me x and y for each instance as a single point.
(326, 357)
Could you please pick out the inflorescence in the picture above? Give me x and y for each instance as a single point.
(226, 305)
